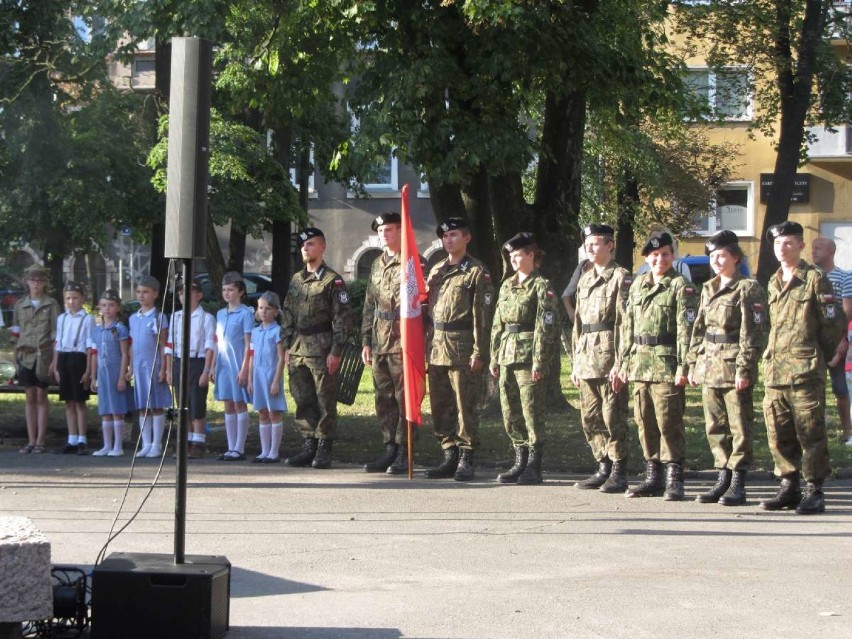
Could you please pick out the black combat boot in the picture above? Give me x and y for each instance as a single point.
(532, 473)
(446, 469)
(384, 461)
(736, 494)
(597, 480)
(464, 471)
(617, 480)
(400, 462)
(653, 484)
(788, 495)
(306, 456)
(813, 502)
(723, 482)
(674, 482)
(522, 453)
(323, 456)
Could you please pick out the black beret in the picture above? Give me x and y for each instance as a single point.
(720, 240)
(452, 224)
(598, 229)
(231, 277)
(386, 218)
(656, 242)
(519, 241)
(149, 281)
(111, 295)
(784, 228)
(306, 234)
(75, 287)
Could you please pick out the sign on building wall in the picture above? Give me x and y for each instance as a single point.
(801, 188)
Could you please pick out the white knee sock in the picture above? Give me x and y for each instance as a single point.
(159, 429)
(265, 441)
(276, 431)
(106, 427)
(145, 425)
(231, 430)
(118, 431)
(242, 432)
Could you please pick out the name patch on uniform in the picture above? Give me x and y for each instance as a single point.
(487, 298)
(690, 315)
(343, 296)
(548, 317)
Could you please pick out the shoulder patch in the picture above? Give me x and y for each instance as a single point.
(486, 276)
(690, 290)
(338, 282)
(548, 318)
(549, 294)
(487, 299)
(627, 281)
(690, 315)
(343, 297)
(826, 298)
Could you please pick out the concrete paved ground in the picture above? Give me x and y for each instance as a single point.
(342, 554)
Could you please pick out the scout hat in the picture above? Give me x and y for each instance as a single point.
(655, 242)
(598, 229)
(36, 273)
(306, 234)
(720, 240)
(271, 298)
(75, 287)
(521, 240)
(784, 228)
(149, 281)
(111, 295)
(452, 224)
(231, 277)
(385, 218)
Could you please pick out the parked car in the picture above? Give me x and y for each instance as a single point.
(10, 292)
(700, 270)
(256, 285)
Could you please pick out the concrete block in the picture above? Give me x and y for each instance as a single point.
(26, 592)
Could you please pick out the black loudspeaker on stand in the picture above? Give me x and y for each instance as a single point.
(159, 596)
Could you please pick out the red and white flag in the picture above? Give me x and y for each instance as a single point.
(412, 291)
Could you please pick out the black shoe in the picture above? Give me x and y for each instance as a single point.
(653, 484)
(532, 473)
(464, 471)
(447, 468)
(400, 464)
(322, 460)
(813, 501)
(307, 454)
(736, 494)
(674, 482)
(82, 450)
(522, 454)
(270, 460)
(67, 449)
(597, 480)
(384, 461)
(788, 495)
(723, 482)
(617, 480)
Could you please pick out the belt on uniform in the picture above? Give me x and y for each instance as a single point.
(654, 340)
(520, 328)
(32, 349)
(722, 338)
(597, 328)
(454, 326)
(387, 315)
(325, 327)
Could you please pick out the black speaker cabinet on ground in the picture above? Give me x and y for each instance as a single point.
(145, 596)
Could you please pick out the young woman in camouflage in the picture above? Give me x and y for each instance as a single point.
(523, 334)
(727, 341)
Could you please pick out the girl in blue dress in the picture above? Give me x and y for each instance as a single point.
(109, 350)
(148, 330)
(234, 324)
(266, 379)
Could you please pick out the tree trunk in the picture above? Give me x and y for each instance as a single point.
(236, 249)
(628, 201)
(282, 250)
(215, 260)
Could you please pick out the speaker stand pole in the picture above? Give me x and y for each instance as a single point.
(183, 414)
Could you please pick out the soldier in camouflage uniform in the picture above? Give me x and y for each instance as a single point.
(381, 348)
(661, 308)
(727, 340)
(598, 326)
(316, 322)
(525, 331)
(460, 298)
(805, 333)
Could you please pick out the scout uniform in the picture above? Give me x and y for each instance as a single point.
(525, 331)
(34, 327)
(316, 321)
(727, 340)
(657, 327)
(599, 318)
(460, 299)
(805, 331)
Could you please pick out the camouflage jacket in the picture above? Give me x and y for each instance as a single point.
(316, 317)
(657, 327)
(37, 326)
(380, 322)
(729, 332)
(805, 328)
(461, 297)
(526, 323)
(599, 321)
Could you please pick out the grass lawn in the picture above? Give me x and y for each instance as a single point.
(359, 440)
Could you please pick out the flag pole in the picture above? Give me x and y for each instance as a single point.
(410, 451)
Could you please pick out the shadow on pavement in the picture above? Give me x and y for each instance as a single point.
(250, 583)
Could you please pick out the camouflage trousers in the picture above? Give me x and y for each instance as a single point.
(455, 394)
(522, 401)
(315, 394)
(604, 416)
(390, 397)
(658, 409)
(729, 419)
(795, 426)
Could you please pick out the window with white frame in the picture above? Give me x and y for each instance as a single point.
(383, 175)
(732, 210)
(726, 91)
(312, 191)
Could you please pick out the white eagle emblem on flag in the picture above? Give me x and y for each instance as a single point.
(409, 305)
